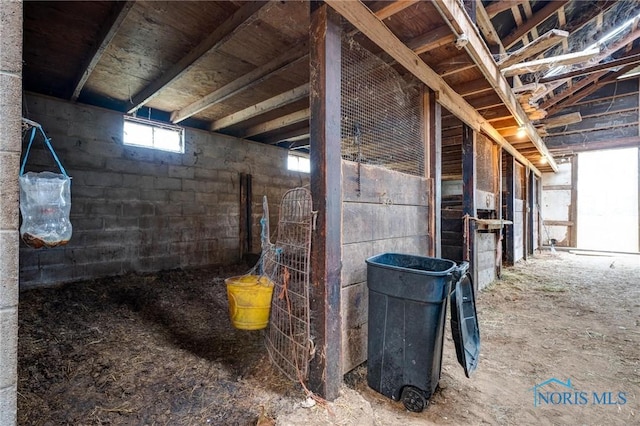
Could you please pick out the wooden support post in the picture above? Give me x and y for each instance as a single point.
(499, 211)
(530, 211)
(509, 192)
(246, 213)
(433, 148)
(325, 369)
(469, 197)
(573, 212)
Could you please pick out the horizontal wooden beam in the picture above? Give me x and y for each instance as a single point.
(546, 64)
(241, 19)
(562, 120)
(501, 5)
(117, 15)
(478, 50)
(291, 135)
(270, 104)
(363, 19)
(536, 47)
(535, 20)
(247, 81)
(628, 142)
(430, 40)
(277, 123)
(633, 59)
(385, 9)
(473, 87)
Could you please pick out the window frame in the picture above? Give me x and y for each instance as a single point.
(153, 125)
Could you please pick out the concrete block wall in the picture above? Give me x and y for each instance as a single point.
(139, 209)
(10, 112)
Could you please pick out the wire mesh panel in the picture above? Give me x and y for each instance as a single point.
(287, 264)
(380, 113)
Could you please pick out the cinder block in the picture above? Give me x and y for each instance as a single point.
(164, 209)
(9, 346)
(105, 208)
(182, 197)
(8, 403)
(136, 181)
(181, 172)
(115, 223)
(123, 194)
(160, 195)
(134, 209)
(9, 192)
(167, 183)
(204, 173)
(10, 111)
(11, 38)
(9, 262)
(193, 209)
(102, 179)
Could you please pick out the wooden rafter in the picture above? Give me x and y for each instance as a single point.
(117, 15)
(562, 120)
(500, 6)
(592, 12)
(245, 82)
(486, 26)
(431, 40)
(536, 47)
(360, 16)
(549, 103)
(546, 64)
(270, 104)
(241, 19)
(290, 136)
(536, 19)
(385, 9)
(627, 60)
(276, 123)
(478, 50)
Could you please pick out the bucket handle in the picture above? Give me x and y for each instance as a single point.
(460, 271)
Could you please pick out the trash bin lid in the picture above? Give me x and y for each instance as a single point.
(464, 325)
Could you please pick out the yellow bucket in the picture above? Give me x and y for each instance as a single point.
(249, 301)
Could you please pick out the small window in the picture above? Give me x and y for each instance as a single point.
(298, 163)
(153, 134)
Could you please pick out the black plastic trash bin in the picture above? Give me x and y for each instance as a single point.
(407, 308)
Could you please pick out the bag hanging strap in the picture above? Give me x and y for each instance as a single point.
(47, 143)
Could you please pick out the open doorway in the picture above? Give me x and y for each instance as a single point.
(608, 200)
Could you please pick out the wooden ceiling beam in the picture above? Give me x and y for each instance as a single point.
(483, 21)
(270, 104)
(280, 63)
(117, 15)
(477, 49)
(431, 40)
(365, 21)
(536, 19)
(627, 60)
(473, 87)
(562, 120)
(291, 136)
(385, 9)
(501, 5)
(536, 47)
(241, 19)
(546, 64)
(549, 103)
(275, 124)
(596, 8)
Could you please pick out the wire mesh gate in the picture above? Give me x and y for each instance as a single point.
(287, 264)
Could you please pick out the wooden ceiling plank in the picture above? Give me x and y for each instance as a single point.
(431, 40)
(245, 82)
(385, 9)
(633, 59)
(597, 8)
(108, 31)
(478, 50)
(291, 136)
(241, 19)
(473, 87)
(270, 104)
(500, 6)
(536, 47)
(536, 19)
(358, 14)
(277, 123)
(548, 63)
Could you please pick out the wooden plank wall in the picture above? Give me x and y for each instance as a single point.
(557, 207)
(519, 212)
(389, 215)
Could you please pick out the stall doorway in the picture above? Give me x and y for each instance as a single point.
(608, 200)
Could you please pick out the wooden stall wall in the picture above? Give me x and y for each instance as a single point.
(451, 205)
(520, 212)
(390, 214)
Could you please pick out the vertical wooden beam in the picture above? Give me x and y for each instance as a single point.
(509, 211)
(433, 153)
(499, 211)
(530, 210)
(469, 197)
(325, 369)
(573, 212)
(246, 213)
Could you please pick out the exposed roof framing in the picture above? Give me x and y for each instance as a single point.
(277, 123)
(627, 60)
(535, 20)
(431, 39)
(536, 47)
(500, 6)
(119, 11)
(241, 19)
(546, 64)
(482, 57)
(385, 9)
(245, 82)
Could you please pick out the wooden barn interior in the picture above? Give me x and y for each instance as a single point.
(445, 128)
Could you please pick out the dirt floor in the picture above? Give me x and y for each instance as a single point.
(159, 349)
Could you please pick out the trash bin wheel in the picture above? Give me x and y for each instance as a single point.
(413, 399)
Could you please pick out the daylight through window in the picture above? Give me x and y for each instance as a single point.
(298, 163)
(153, 134)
